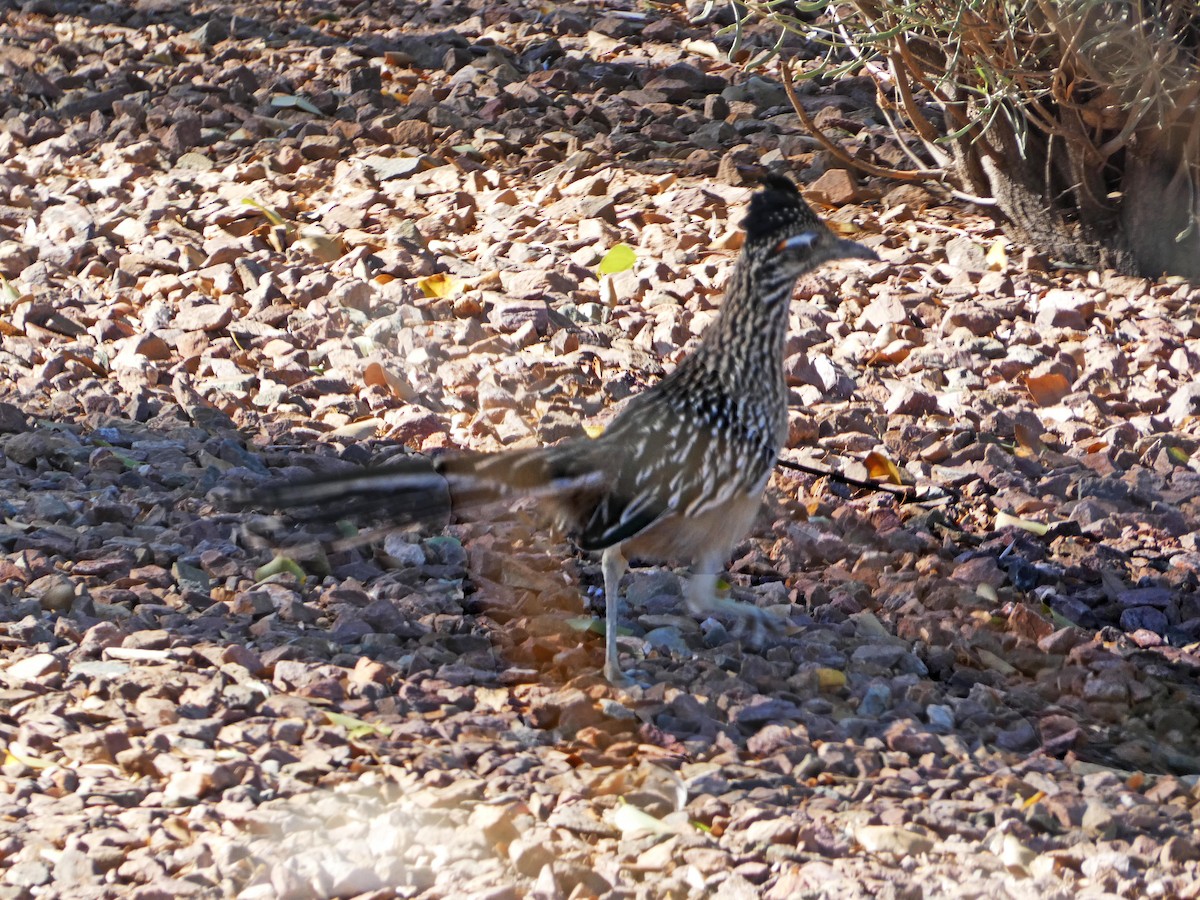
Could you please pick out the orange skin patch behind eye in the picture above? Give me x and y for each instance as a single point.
(797, 240)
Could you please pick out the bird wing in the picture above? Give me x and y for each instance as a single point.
(666, 453)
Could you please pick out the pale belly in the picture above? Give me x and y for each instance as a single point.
(709, 537)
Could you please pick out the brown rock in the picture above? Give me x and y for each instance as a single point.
(1060, 642)
(321, 146)
(154, 639)
(903, 737)
(495, 823)
(12, 420)
(1065, 309)
(367, 671)
(510, 315)
(146, 346)
(836, 187)
(245, 657)
(908, 401)
(32, 669)
(203, 317)
(1178, 850)
(980, 570)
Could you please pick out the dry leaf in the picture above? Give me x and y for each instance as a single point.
(994, 662)
(442, 284)
(1008, 520)
(1027, 438)
(325, 247)
(629, 820)
(376, 374)
(1049, 389)
(880, 467)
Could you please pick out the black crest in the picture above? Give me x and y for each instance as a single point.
(777, 207)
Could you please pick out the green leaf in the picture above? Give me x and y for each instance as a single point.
(355, 728)
(273, 217)
(1008, 520)
(128, 461)
(279, 566)
(289, 101)
(8, 293)
(585, 623)
(618, 259)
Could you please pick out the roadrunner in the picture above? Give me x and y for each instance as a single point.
(679, 474)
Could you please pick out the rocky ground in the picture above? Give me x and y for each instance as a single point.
(286, 237)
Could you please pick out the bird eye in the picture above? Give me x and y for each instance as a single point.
(800, 241)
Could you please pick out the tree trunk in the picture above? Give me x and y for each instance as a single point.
(1160, 207)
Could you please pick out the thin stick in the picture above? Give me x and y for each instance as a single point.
(833, 147)
(903, 491)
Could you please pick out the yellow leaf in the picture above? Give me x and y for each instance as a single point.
(273, 217)
(1034, 800)
(442, 284)
(593, 431)
(997, 256)
(1008, 520)
(1178, 455)
(880, 467)
(844, 229)
(618, 259)
(13, 756)
(831, 679)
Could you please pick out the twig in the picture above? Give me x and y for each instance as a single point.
(832, 146)
(909, 494)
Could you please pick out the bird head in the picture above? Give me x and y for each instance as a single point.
(782, 233)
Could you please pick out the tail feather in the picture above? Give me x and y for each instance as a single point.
(422, 490)
(402, 492)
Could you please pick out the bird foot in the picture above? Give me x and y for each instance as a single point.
(750, 624)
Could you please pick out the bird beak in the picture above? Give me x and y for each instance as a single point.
(842, 247)
(847, 249)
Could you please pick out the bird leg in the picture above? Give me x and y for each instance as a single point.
(749, 621)
(614, 566)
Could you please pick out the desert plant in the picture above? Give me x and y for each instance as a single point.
(1078, 121)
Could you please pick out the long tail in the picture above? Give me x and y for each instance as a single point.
(417, 489)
